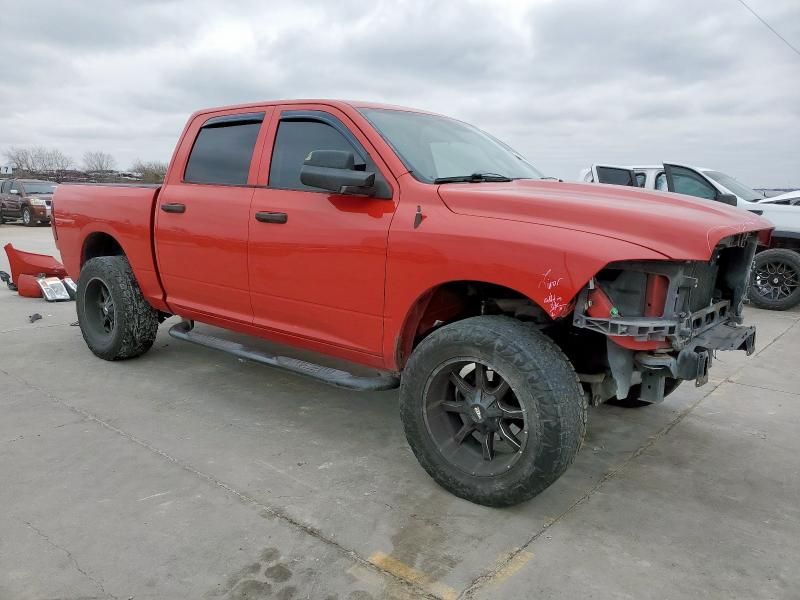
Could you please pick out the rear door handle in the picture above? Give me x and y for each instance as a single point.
(173, 207)
(271, 217)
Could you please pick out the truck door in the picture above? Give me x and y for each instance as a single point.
(318, 258)
(614, 175)
(5, 189)
(12, 203)
(203, 217)
(685, 180)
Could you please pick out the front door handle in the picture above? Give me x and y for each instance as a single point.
(173, 207)
(271, 217)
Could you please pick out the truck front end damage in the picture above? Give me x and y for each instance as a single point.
(663, 321)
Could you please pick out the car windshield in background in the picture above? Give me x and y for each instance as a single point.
(39, 188)
(434, 147)
(741, 190)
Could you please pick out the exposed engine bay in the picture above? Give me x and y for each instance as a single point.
(661, 322)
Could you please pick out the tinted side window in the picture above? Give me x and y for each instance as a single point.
(615, 176)
(6, 186)
(690, 183)
(222, 152)
(294, 141)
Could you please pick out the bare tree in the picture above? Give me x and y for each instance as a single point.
(38, 158)
(152, 171)
(19, 158)
(98, 161)
(57, 161)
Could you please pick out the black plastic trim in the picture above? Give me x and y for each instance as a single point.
(329, 375)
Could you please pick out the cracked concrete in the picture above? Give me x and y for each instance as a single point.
(74, 562)
(187, 474)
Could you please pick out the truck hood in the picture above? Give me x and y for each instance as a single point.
(679, 227)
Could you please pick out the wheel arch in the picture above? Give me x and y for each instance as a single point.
(100, 243)
(456, 300)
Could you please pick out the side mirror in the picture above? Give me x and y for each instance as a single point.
(727, 199)
(14, 192)
(335, 170)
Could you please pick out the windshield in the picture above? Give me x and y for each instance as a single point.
(741, 190)
(39, 188)
(434, 147)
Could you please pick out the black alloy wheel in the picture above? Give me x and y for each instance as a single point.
(775, 281)
(474, 417)
(99, 308)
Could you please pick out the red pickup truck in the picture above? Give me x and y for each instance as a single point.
(500, 302)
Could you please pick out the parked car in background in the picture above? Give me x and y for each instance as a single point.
(775, 282)
(28, 200)
(789, 199)
(419, 246)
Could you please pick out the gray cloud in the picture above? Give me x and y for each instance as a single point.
(567, 83)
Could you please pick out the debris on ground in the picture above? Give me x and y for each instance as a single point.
(53, 289)
(30, 263)
(6, 278)
(28, 286)
(34, 317)
(37, 275)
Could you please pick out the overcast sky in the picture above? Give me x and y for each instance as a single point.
(565, 82)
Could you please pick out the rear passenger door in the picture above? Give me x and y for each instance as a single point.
(11, 202)
(203, 216)
(5, 188)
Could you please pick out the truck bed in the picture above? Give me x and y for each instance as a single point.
(93, 212)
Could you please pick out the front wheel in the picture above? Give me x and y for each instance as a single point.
(27, 217)
(115, 319)
(775, 282)
(492, 409)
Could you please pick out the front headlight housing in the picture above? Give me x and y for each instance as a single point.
(37, 202)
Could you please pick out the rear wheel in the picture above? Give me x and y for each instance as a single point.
(115, 319)
(775, 282)
(492, 409)
(27, 217)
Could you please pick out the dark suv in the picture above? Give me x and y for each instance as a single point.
(26, 199)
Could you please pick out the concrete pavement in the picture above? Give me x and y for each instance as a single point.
(190, 474)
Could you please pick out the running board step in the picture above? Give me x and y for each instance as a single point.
(329, 375)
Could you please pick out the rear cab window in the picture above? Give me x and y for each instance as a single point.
(223, 150)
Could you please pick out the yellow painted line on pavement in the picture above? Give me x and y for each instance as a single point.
(407, 573)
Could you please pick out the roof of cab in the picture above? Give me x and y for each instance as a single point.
(325, 101)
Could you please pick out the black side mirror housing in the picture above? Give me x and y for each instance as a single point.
(336, 171)
(727, 199)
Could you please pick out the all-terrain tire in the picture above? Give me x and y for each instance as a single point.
(789, 261)
(135, 322)
(544, 383)
(27, 217)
